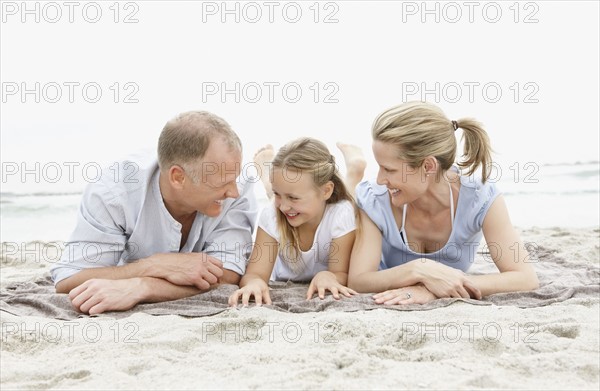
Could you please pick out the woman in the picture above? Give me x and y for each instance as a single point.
(421, 222)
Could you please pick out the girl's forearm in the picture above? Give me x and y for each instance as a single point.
(248, 277)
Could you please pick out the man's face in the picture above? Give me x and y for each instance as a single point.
(217, 174)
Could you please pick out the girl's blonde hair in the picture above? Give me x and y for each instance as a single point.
(421, 129)
(307, 156)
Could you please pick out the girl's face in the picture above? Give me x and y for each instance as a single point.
(296, 196)
(404, 183)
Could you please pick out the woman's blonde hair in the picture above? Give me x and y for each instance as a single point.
(307, 156)
(421, 129)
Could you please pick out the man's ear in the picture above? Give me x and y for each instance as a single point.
(176, 176)
(327, 190)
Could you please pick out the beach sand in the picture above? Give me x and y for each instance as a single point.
(461, 346)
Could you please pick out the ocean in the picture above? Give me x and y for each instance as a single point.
(550, 195)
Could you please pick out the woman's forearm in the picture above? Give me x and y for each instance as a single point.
(510, 281)
(382, 280)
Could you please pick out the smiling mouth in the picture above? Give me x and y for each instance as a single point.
(219, 202)
(291, 215)
(394, 192)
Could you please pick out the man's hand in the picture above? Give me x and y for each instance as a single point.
(97, 295)
(195, 269)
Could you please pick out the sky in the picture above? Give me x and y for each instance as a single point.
(85, 84)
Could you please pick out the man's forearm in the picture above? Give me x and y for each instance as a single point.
(153, 266)
(158, 290)
(131, 270)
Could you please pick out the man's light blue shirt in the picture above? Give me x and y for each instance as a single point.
(122, 218)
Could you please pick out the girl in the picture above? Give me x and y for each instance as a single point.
(308, 232)
(422, 220)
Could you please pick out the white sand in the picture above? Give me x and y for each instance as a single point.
(458, 347)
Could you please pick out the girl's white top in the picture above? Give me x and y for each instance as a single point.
(338, 220)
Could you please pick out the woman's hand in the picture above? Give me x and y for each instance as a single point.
(326, 280)
(416, 294)
(445, 281)
(257, 288)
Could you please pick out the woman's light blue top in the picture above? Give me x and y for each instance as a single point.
(474, 200)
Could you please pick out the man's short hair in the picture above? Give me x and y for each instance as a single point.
(186, 138)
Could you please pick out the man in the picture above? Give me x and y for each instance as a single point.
(164, 231)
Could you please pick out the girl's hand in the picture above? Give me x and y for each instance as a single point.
(416, 294)
(326, 280)
(257, 288)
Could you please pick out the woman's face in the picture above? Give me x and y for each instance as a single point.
(405, 183)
